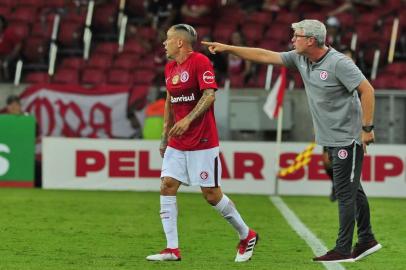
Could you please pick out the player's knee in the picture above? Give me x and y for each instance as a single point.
(211, 197)
(168, 187)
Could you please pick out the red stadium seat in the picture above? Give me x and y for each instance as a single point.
(203, 31)
(230, 14)
(134, 46)
(66, 76)
(55, 3)
(252, 32)
(42, 29)
(70, 33)
(126, 62)
(75, 17)
(147, 33)
(104, 17)
(316, 16)
(8, 3)
(93, 76)
(31, 3)
(5, 11)
(346, 19)
(35, 49)
(223, 32)
(100, 61)
(21, 29)
(286, 18)
(145, 63)
(37, 77)
(119, 76)
(385, 81)
(73, 62)
(143, 76)
(397, 69)
(107, 48)
(279, 32)
(259, 17)
(24, 14)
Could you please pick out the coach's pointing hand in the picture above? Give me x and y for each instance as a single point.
(215, 46)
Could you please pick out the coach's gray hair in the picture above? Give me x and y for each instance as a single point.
(313, 28)
(190, 32)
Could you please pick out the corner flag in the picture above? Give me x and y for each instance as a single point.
(275, 98)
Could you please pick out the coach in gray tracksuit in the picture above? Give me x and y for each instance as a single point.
(342, 102)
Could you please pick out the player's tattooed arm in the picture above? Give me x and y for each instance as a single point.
(168, 123)
(204, 103)
(201, 107)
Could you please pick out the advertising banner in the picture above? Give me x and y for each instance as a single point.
(248, 167)
(74, 111)
(17, 150)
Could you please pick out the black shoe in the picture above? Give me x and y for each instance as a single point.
(362, 250)
(333, 256)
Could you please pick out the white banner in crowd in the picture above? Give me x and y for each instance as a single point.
(73, 111)
(248, 167)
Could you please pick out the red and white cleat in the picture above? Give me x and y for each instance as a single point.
(245, 248)
(168, 254)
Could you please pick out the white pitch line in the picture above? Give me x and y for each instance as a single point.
(297, 225)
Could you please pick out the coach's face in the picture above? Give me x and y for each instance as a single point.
(300, 41)
(172, 43)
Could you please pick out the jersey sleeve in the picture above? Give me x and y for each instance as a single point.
(349, 74)
(205, 74)
(289, 59)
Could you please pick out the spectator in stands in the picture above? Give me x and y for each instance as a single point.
(351, 5)
(333, 37)
(14, 107)
(10, 47)
(236, 65)
(343, 123)
(276, 5)
(198, 12)
(163, 13)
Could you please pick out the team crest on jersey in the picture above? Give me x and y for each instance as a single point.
(204, 175)
(208, 77)
(342, 154)
(323, 75)
(184, 76)
(175, 79)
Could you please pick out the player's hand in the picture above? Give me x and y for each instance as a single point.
(367, 138)
(180, 127)
(215, 46)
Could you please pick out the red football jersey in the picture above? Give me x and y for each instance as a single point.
(185, 83)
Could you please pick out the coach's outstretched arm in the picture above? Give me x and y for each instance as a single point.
(252, 54)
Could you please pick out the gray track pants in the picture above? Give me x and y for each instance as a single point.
(352, 201)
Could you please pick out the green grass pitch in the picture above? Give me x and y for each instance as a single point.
(49, 229)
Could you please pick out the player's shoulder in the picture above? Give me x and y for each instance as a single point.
(197, 56)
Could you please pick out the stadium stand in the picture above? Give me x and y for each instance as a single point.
(32, 21)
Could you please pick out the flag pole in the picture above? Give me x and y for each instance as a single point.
(278, 148)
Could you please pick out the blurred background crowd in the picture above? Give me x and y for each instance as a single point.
(360, 28)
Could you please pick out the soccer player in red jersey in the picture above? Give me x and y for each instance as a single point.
(190, 144)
